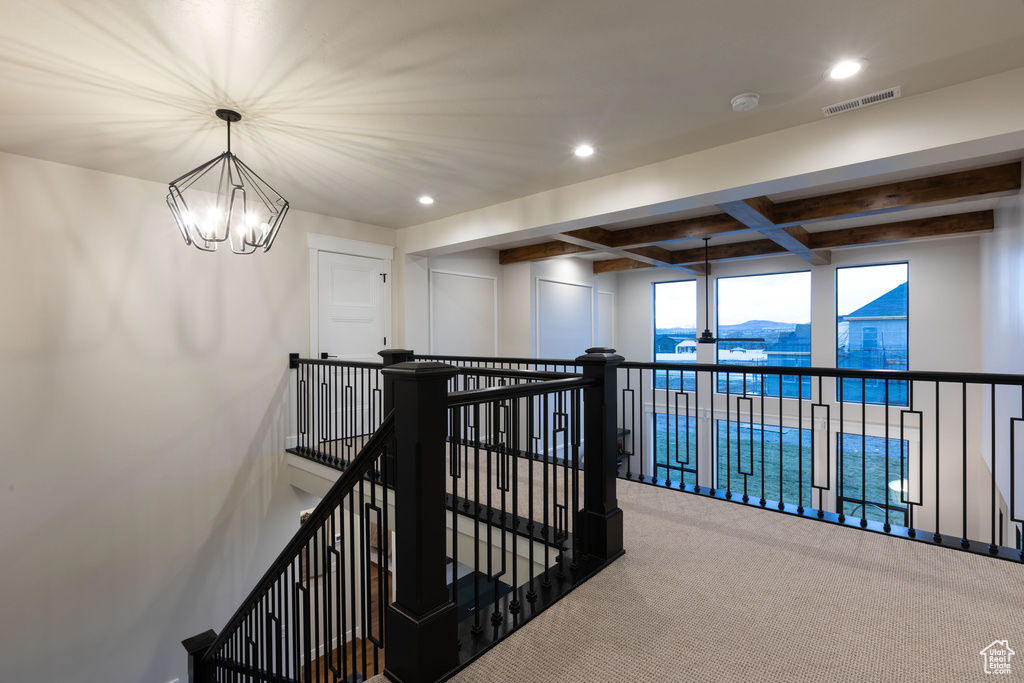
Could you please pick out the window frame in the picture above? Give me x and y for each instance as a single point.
(654, 312)
(718, 309)
(835, 327)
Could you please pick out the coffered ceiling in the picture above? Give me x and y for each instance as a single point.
(353, 109)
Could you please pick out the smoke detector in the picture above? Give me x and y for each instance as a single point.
(745, 102)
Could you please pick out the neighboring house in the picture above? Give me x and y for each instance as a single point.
(687, 346)
(793, 349)
(667, 343)
(877, 333)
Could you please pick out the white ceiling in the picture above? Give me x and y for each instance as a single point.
(354, 108)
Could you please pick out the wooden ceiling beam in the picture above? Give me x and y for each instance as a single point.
(537, 252)
(730, 252)
(797, 240)
(758, 213)
(993, 181)
(595, 235)
(782, 222)
(673, 231)
(658, 257)
(617, 265)
(922, 228)
(974, 222)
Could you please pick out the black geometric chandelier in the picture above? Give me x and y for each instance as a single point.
(225, 201)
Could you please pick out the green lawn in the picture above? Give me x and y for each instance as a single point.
(741, 451)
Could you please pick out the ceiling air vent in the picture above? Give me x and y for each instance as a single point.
(861, 102)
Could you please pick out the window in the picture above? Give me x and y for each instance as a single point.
(675, 446)
(749, 453)
(873, 478)
(675, 332)
(776, 308)
(871, 329)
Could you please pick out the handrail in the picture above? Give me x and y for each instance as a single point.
(511, 391)
(498, 359)
(336, 363)
(361, 464)
(841, 373)
(516, 374)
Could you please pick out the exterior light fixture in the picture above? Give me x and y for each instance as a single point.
(899, 485)
(225, 201)
(845, 69)
(583, 151)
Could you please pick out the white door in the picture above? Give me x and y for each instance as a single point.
(351, 306)
(351, 326)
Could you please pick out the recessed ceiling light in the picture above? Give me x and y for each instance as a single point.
(845, 69)
(583, 151)
(426, 200)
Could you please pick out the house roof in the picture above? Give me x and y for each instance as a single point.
(892, 304)
(799, 340)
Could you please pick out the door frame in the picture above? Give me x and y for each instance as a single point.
(340, 245)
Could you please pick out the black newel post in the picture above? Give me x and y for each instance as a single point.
(600, 520)
(391, 357)
(197, 646)
(421, 638)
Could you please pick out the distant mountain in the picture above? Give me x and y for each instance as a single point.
(676, 331)
(760, 325)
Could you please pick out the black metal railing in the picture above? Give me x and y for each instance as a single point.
(502, 477)
(912, 454)
(523, 528)
(495, 471)
(338, 405)
(515, 465)
(318, 612)
(502, 363)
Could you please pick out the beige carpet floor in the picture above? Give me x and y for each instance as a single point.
(713, 591)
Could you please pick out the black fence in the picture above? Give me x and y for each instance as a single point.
(496, 479)
(927, 456)
(338, 405)
(318, 612)
(477, 474)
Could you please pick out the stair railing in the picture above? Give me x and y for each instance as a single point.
(321, 614)
(318, 612)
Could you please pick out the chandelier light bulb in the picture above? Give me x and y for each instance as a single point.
(242, 202)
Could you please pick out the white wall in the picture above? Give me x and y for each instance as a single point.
(143, 408)
(571, 271)
(607, 305)
(465, 322)
(1002, 290)
(514, 327)
(1002, 319)
(517, 296)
